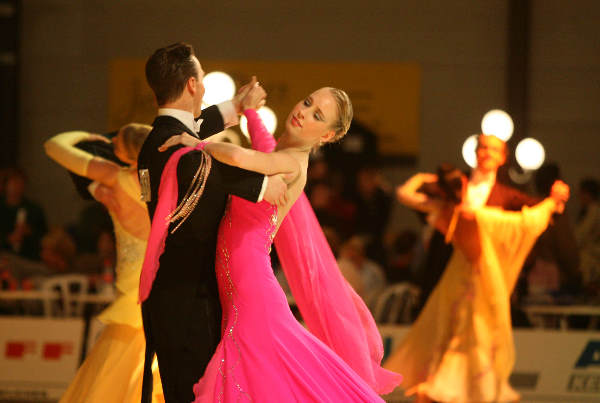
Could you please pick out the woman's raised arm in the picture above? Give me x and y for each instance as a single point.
(61, 148)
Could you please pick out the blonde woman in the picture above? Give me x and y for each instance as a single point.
(265, 354)
(112, 371)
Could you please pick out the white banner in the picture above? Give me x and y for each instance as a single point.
(551, 366)
(39, 357)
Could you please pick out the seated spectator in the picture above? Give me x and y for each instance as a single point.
(100, 261)
(587, 233)
(552, 268)
(57, 253)
(401, 257)
(333, 238)
(22, 222)
(318, 171)
(330, 208)
(373, 200)
(364, 275)
(93, 220)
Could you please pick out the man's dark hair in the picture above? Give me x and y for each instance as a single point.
(448, 186)
(168, 71)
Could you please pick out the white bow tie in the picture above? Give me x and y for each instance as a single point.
(197, 124)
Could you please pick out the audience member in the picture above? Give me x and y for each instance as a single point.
(587, 233)
(401, 258)
(373, 201)
(22, 222)
(553, 265)
(366, 276)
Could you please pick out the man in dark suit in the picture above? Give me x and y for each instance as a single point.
(182, 314)
(483, 189)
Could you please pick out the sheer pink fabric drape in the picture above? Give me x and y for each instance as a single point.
(167, 201)
(331, 309)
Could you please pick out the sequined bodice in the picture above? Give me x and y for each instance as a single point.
(244, 242)
(252, 223)
(130, 256)
(130, 249)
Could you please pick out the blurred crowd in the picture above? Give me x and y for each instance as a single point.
(31, 252)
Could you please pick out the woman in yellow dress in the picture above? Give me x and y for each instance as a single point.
(460, 349)
(113, 369)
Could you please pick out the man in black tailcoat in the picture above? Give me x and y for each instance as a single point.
(182, 314)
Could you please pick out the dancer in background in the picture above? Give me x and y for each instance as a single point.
(460, 348)
(112, 371)
(265, 354)
(483, 188)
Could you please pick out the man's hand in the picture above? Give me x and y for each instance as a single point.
(255, 98)
(276, 190)
(238, 99)
(560, 193)
(184, 139)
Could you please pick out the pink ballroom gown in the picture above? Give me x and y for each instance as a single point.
(265, 354)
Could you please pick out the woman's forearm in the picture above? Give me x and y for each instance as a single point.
(267, 164)
(61, 148)
(262, 139)
(407, 193)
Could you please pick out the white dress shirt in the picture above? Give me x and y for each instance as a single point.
(230, 118)
(228, 112)
(479, 188)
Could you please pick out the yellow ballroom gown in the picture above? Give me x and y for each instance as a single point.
(460, 348)
(113, 369)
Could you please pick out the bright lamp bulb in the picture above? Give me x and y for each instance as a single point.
(530, 154)
(497, 123)
(267, 116)
(219, 87)
(468, 150)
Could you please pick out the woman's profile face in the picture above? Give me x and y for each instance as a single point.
(312, 118)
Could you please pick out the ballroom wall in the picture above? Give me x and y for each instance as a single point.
(461, 47)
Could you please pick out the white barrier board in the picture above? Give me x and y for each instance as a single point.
(39, 357)
(552, 366)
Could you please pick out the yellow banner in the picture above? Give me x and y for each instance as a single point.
(385, 96)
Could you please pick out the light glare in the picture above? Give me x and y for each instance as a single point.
(468, 150)
(219, 87)
(497, 123)
(266, 115)
(530, 154)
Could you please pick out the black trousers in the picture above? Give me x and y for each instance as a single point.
(182, 326)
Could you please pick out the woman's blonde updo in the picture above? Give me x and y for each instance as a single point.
(133, 136)
(345, 113)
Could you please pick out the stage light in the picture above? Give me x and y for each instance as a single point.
(468, 150)
(498, 123)
(268, 117)
(530, 154)
(219, 88)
